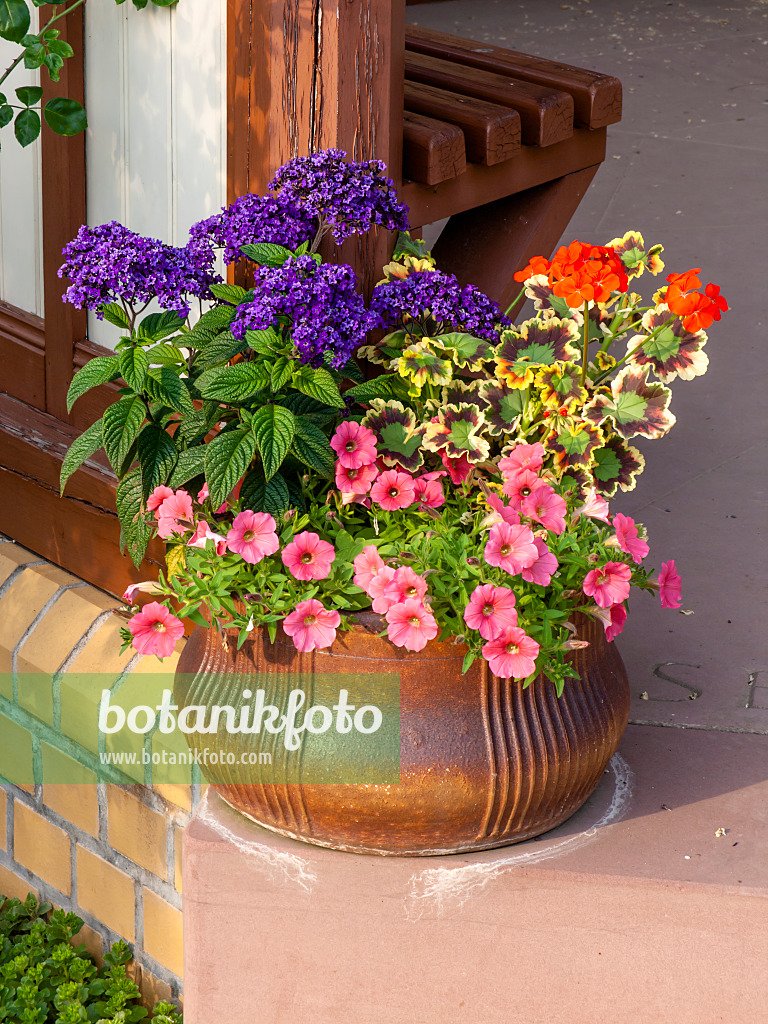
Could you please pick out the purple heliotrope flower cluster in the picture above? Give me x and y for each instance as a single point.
(348, 196)
(326, 313)
(109, 263)
(252, 219)
(433, 295)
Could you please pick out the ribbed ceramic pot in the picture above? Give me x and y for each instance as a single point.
(483, 762)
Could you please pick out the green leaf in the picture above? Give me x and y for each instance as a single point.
(166, 355)
(28, 94)
(121, 425)
(157, 455)
(407, 246)
(282, 369)
(233, 383)
(133, 367)
(209, 326)
(227, 458)
(156, 326)
(135, 532)
(310, 445)
(34, 55)
(266, 254)
(265, 342)
(6, 115)
(59, 46)
(193, 428)
(64, 116)
(14, 20)
(191, 463)
(262, 495)
(380, 387)
(273, 427)
(114, 313)
(318, 384)
(231, 293)
(164, 385)
(26, 127)
(82, 448)
(351, 371)
(95, 372)
(220, 350)
(54, 63)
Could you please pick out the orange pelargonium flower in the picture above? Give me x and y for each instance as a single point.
(697, 311)
(707, 310)
(686, 281)
(587, 273)
(536, 265)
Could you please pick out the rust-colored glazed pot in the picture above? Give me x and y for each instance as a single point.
(483, 762)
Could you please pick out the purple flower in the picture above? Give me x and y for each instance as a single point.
(347, 196)
(109, 263)
(327, 315)
(252, 219)
(433, 295)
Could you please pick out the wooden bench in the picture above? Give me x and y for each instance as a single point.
(502, 143)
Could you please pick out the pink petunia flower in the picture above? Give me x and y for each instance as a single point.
(595, 506)
(147, 587)
(627, 536)
(429, 490)
(367, 566)
(491, 610)
(354, 444)
(158, 496)
(355, 481)
(512, 654)
(458, 469)
(311, 626)
(608, 584)
(511, 547)
(380, 603)
(523, 456)
(393, 490)
(546, 506)
(404, 585)
(519, 485)
(308, 557)
(155, 630)
(670, 585)
(253, 536)
(202, 494)
(173, 512)
(203, 533)
(618, 618)
(501, 512)
(411, 625)
(542, 569)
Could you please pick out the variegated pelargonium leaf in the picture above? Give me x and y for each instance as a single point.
(460, 392)
(560, 385)
(616, 465)
(537, 288)
(632, 250)
(398, 439)
(634, 405)
(542, 340)
(674, 351)
(420, 364)
(504, 406)
(385, 350)
(465, 350)
(572, 443)
(455, 431)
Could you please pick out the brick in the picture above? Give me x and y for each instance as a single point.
(42, 847)
(106, 892)
(175, 793)
(15, 753)
(152, 989)
(137, 831)
(102, 652)
(13, 886)
(11, 557)
(53, 639)
(69, 788)
(162, 933)
(93, 942)
(3, 806)
(18, 607)
(178, 835)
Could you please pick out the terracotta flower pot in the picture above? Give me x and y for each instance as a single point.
(483, 762)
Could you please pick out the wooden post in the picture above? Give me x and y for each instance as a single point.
(319, 74)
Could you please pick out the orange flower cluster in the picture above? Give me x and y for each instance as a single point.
(580, 273)
(698, 311)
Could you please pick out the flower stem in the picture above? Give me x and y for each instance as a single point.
(585, 349)
(514, 301)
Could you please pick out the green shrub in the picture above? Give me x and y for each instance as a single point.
(44, 979)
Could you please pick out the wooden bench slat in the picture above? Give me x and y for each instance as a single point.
(491, 132)
(597, 97)
(546, 115)
(433, 151)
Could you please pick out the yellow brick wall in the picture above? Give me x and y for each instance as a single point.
(110, 853)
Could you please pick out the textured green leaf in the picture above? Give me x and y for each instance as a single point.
(351, 371)
(262, 495)
(14, 20)
(114, 313)
(96, 371)
(157, 455)
(208, 326)
(133, 367)
(273, 427)
(227, 458)
(121, 425)
(157, 326)
(82, 448)
(231, 293)
(266, 343)
(266, 254)
(135, 532)
(191, 463)
(220, 350)
(311, 446)
(282, 369)
(233, 383)
(166, 355)
(380, 387)
(318, 384)
(164, 385)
